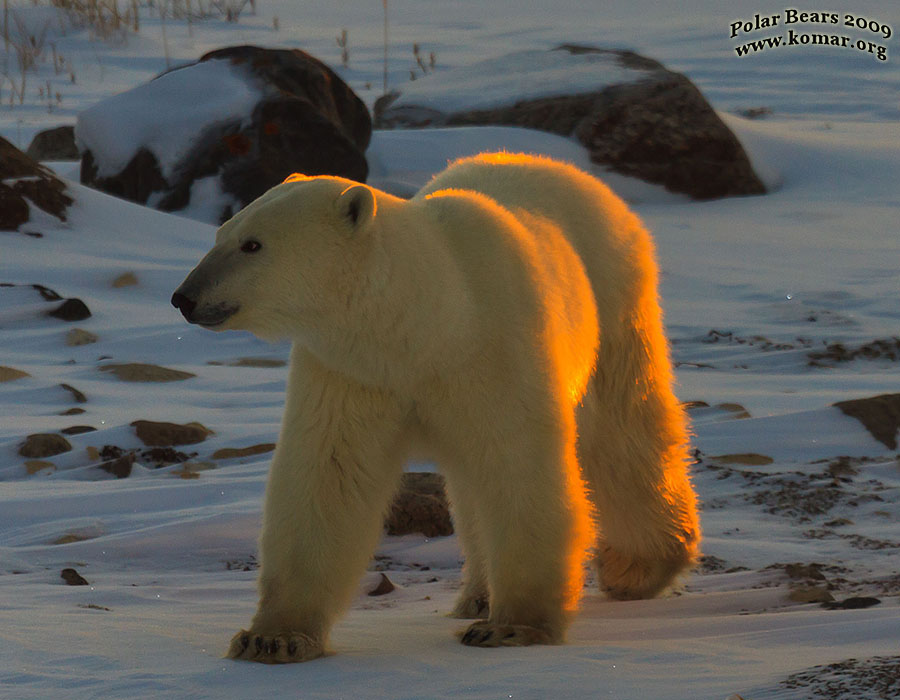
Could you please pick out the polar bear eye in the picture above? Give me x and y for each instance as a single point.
(251, 246)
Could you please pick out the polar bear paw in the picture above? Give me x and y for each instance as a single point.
(492, 634)
(274, 649)
(628, 577)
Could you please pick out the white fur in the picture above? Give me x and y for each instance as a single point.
(506, 320)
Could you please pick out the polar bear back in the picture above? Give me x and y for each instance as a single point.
(613, 245)
(525, 278)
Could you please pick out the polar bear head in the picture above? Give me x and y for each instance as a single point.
(287, 262)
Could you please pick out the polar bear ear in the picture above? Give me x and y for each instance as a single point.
(356, 206)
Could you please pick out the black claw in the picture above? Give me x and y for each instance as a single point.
(273, 647)
(245, 642)
(469, 636)
(509, 635)
(486, 636)
(259, 644)
(292, 648)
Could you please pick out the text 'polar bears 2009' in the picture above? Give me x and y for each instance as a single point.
(807, 29)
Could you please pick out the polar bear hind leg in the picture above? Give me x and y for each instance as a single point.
(632, 447)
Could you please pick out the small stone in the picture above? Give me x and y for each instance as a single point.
(126, 279)
(258, 362)
(854, 603)
(71, 537)
(66, 539)
(810, 594)
(119, 467)
(71, 310)
(841, 467)
(33, 466)
(77, 429)
(233, 452)
(191, 470)
(164, 456)
(138, 372)
(113, 452)
(384, 586)
(839, 522)
(72, 412)
(46, 293)
(880, 415)
(804, 571)
(73, 578)
(747, 458)
(44, 445)
(10, 374)
(738, 412)
(162, 434)
(77, 395)
(79, 336)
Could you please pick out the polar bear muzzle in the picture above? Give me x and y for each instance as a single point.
(189, 299)
(205, 315)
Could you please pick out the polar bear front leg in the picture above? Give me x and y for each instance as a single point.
(534, 523)
(337, 464)
(527, 511)
(473, 600)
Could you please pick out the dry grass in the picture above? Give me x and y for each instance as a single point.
(27, 45)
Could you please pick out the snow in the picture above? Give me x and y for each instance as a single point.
(523, 75)
(812, 262)
(207, 200)
(402, 161)
(207, 93)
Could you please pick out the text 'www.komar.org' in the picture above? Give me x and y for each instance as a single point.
(802, 36)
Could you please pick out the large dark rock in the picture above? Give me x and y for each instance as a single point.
(136, 181)
(54, 144)
(420, 505)
(13, 209)
(639, 119)
(24, 181)
(307, 120)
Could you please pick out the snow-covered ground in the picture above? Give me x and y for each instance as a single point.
(753, 289)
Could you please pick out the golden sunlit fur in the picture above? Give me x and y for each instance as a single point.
(505, 320)
(632, 432)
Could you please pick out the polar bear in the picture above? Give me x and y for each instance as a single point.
(505, 320)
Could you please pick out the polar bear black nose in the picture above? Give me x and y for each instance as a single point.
(183, 304)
